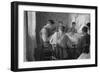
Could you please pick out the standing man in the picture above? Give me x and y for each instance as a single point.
(47, 31)
(73, 29)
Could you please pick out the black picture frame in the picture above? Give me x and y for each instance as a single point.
(14, 35)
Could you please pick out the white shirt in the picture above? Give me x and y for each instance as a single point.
(55, 38)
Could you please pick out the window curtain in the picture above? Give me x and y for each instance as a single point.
(30, 35)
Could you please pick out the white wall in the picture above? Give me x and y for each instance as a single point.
(5, 28)
(80, 19)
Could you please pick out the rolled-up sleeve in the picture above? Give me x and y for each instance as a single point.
(44, 35)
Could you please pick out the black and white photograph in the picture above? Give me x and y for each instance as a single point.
(53, 36)
(56, 36)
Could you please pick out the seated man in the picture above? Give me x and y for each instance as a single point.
(60, 51)
(67, 43)
(60, 31)
(85, 43)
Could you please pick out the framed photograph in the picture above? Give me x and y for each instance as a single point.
(52, 36)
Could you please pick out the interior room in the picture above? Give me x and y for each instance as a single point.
(34, 21)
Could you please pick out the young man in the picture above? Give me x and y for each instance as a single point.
(59, 46)
(60, 31)
(73, 29)
(47, 31)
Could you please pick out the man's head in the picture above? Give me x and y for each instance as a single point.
(51, 22)
(61, 28)
(84, 29)
(73, 24)
(60, 23)
(88, 25)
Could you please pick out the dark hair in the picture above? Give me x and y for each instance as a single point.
(85, 29)
(88, 24)
(60, 22)
(62, 28)
(86, 49)
(51, 21)
(73, 23)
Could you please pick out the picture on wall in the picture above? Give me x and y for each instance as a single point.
(52, 36)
